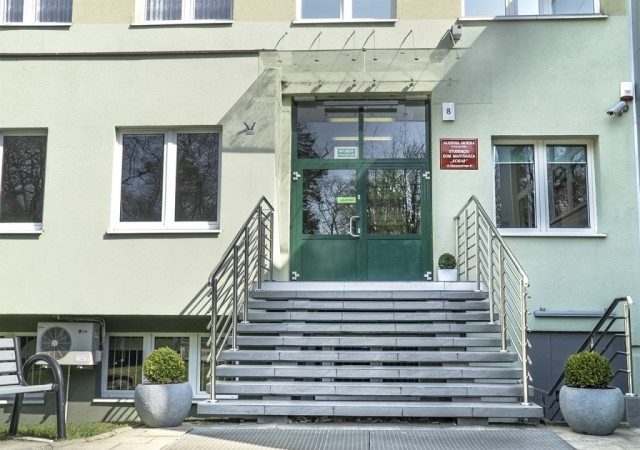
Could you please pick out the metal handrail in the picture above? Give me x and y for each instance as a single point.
(484, 257)
(601, 329)
(247, 262)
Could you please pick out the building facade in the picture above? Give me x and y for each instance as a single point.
(137, 135)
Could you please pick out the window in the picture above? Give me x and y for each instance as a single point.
(126, 354)
(36, 11)
(492, 8)
(166, 181)
(185, 10)
(348, 10)
(544, 186)
(22, 166)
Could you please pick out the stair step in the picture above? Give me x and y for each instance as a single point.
(367, 305)
(367, 372)
(255, 316)
(304, 388)
(367, 341)
(368, 409)
(367, 356)
(366, 328)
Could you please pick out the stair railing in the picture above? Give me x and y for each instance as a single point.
(246, 263)
(484, 257)
(600, 340)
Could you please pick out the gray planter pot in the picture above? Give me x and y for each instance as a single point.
(592, 411)
(163, 405)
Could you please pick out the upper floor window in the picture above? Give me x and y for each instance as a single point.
(36, 11)
(186, 10)
(492, 8)
(346, 10)
(22, 165)
(544, 186)
(166, 180)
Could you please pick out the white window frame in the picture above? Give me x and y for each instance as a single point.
(29, 15)
(541, 188)
(20, 227)
(346, 14)
(511, 8)
(168, 224)
(188, 15)
(148, 347)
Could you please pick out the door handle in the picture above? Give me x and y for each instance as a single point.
(352, 220)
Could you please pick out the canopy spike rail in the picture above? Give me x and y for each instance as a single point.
(484, 257)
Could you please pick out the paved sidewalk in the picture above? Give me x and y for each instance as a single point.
(338, 436)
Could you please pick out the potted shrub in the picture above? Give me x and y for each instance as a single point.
(165, 399)
(447, 268)
(587, 403)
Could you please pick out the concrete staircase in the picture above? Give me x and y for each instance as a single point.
(369, 349)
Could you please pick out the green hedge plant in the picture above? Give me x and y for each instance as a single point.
(163, 366)
(587, 370)
(447, 261)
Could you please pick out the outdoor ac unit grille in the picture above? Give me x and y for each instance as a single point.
(70, 343)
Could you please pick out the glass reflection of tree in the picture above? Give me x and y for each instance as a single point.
(322, 214)
(197, 177)
(22, 189)
(142, 167)
(400, 140)
(393, 201)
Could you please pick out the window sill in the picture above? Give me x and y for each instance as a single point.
(173, 23)
(18, 231)
(551, 234)
(162, 231)
(35, 24)
(540, 17)
(341, 21)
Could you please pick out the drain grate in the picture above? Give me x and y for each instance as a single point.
(283, 438)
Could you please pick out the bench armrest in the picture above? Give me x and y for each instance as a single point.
(53, 365)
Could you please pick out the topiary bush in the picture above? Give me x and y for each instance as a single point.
(163, 366)
(587, 370)
(447, 261)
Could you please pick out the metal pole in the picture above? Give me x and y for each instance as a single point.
(212, 344)
(260, 248)
(490, 272)
(456, 220)
(502, 299)
(245, 306)
(525, 349)
(271, 245)
(627, 343)
(234, 319)
(477, 231)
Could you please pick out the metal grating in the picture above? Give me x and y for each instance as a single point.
(410, 438)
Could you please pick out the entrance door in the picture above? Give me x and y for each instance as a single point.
(360, 192)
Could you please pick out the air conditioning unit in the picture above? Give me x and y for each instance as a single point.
(70, 343)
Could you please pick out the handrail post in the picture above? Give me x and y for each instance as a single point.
(234, 319)
(213, 345)
(271, 218)
(466, 245)
(627, 343)
(260, 248)
(525, 343)
(245, 305)
(477, 232)
(502, 299)
(456, 221)
(490, 272)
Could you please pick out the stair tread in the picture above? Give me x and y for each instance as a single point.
(369, 341)
(363, 316)
(303, 327)
(369, 305)
(351, 355)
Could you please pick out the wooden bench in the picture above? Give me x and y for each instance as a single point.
(13, 381)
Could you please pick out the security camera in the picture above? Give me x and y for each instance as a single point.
(618, 109)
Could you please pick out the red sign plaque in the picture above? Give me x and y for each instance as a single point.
(459, 154)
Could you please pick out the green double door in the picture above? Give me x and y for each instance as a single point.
(360, 190)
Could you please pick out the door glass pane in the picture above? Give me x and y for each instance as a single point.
(55, 11)
(567, 186)
(197, 177)
(141, 185)
(164, 10)
(179, 344)
(373, 9)
(320, 9)
(572, 6)
(328, 201)
(488, 8)
(515, 186)
(396, 132)
(327, 133)
(125, 363)
(528, 7)
(213, 9)
(22, 179)
(205, 365)
(393, 201)
(14, 11)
